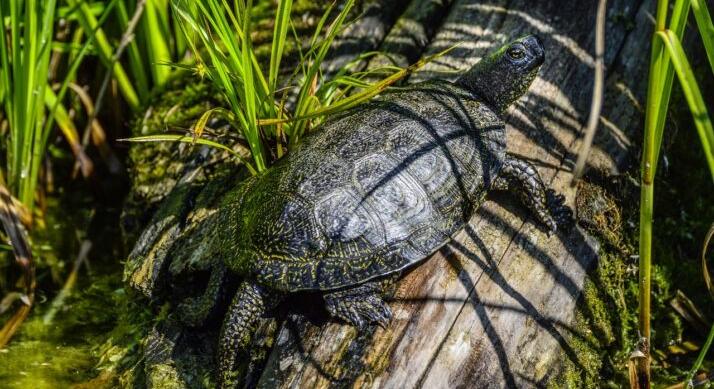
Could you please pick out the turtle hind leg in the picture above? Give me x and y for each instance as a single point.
(250, 303)
(360, 305)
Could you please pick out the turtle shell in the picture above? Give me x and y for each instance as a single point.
(371, 192)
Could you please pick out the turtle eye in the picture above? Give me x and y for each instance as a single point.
(516, 53)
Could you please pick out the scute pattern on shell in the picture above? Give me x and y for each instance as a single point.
(372, 191)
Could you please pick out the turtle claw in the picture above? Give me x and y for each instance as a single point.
(380, 313)
(546, 205)
(358, 308)
(561, 216)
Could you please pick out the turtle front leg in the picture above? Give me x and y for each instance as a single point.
(360, 305)
(519, 175)
(250, 302)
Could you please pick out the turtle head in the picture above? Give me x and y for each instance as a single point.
(504, 76)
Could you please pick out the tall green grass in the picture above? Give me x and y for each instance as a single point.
(31, 106)
(34, 100)
(156, 44)
(93, 30)
(667, 60)
(24, 63)
(219, 37)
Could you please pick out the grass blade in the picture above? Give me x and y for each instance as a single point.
(705, 269)
(597, 96)
(700, 358)
(658, 92)
(136, 63)
(706, 28)
(201, 122)
(312, 73)
(156, 33)
(280, 32)
(249, 93)
(364, 95)
(94, 31)
(663, 88)
(68, 129)
(11, 222)
(693, 95)
(57, 112)
(190, 139)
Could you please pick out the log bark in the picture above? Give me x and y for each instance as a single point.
(494, 308)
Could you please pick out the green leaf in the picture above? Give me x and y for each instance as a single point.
(201, 122)
(692, 94)
(365, 94)
(93, 29)
(706, 28)
(192, 140)
(68, 129)
(280, 31)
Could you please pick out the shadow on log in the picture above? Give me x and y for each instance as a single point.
(496, 307)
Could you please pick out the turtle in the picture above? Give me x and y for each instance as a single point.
(372, 192)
